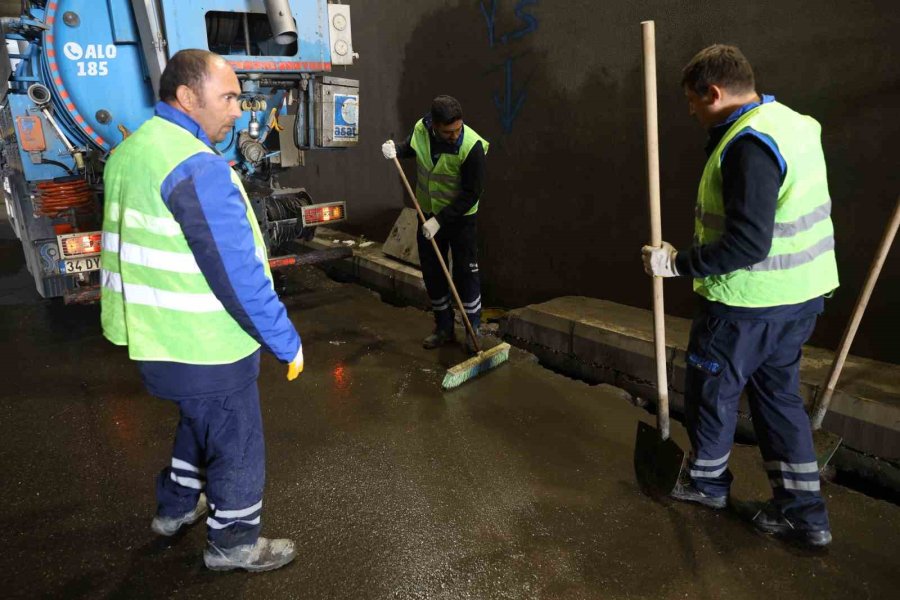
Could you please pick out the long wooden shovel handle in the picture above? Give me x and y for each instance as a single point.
(437, 252)
(648, 31)
(824, 400)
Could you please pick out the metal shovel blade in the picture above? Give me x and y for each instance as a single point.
(825, 444)
(657, 462)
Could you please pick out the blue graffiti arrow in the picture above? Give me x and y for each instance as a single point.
(509, 107)
(489, 19)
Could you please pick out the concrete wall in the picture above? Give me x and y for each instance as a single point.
(557, 90)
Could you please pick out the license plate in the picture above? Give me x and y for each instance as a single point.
(80, 265)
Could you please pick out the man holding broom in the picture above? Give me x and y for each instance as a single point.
(449, 182)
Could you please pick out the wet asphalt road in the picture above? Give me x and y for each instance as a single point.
(517, 485)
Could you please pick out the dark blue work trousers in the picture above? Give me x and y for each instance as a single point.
(219, 447)
(459, 238)
(725, 357)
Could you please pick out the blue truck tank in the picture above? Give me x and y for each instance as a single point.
(84, 75)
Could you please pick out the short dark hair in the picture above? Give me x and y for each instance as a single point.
(445, 110)
(721, 65)
(188, 67)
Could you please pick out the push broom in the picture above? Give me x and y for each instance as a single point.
(484, 360)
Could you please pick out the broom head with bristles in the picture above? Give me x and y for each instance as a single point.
(478, 364)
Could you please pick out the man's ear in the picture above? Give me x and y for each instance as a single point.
(714, 94)
(186, 97)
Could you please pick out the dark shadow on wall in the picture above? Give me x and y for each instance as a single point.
(564, 210)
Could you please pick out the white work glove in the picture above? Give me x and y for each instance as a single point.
(389, 150)
(295, 367)
(660, 262)
(430, 228)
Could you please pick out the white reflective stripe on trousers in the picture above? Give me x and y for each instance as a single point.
(710, 462)
(715, 473)
(189, 482)
(472, 307)
(440, 304)
(475, 302)
(777, 465)
(795, 484)
(210, 522)
(177, 463)
(243, 512)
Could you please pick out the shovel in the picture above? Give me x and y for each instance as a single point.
(825, 442)
(657, 459)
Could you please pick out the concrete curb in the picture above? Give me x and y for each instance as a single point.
(606, 342)
(396, 281)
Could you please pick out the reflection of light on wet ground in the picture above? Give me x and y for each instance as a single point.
(341, 379)
(123, 428)
(121, 419)
(122, 433)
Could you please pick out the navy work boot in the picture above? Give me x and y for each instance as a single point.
(439, 338)
(264, 555)
(686, 492)
(769, 519)
(169, 526)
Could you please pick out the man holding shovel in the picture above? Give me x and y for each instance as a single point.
(449, 181)
(762, 261)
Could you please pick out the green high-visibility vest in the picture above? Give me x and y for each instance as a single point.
(437, 185)
(801, 263)
(154, 299)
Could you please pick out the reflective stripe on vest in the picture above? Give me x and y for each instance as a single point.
(788, 229)
(150, 296)
(801, 263)
(154, 298)
(439, 184)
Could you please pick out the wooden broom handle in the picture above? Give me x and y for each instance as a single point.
(437, 252)
(648, 31)
(824, 400)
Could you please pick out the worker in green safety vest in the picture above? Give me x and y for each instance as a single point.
(187, 289)
(450, 158)
(762, 261)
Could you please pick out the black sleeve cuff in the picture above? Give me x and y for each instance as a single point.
(404, 148)
(683, 263)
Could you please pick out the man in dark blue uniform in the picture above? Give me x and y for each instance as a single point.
(762, 260)
(450, 159)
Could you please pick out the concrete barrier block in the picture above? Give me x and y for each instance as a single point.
(613, 344)
(540, 327)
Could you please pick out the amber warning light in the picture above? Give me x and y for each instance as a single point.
(319, 214)
(79, 244)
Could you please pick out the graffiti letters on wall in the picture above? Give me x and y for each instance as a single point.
(511, 98)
